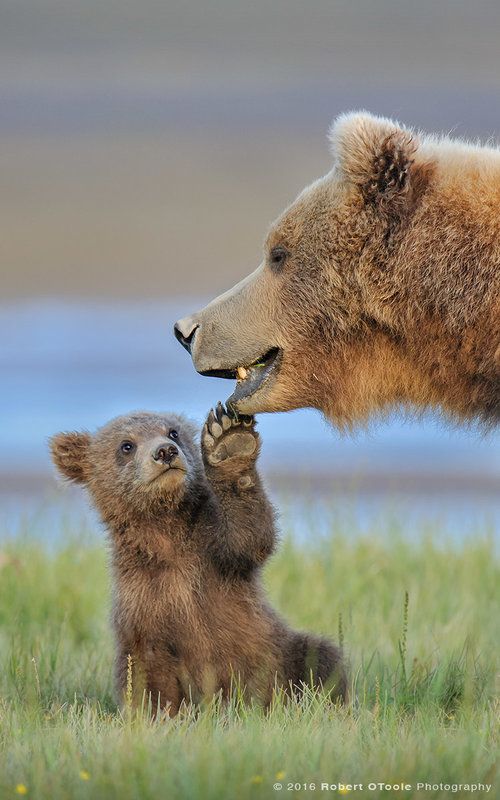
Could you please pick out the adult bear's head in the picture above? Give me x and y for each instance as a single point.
(325, 320)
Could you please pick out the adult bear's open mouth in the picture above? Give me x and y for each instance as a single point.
(252, 377)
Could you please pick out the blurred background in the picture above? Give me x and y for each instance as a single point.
(144, 150)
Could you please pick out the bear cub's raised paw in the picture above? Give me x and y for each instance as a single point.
(229, 441)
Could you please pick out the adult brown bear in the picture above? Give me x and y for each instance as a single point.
(379, 286)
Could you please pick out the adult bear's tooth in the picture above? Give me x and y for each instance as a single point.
(242, 373)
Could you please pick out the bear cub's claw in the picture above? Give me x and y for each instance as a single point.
(228, 438)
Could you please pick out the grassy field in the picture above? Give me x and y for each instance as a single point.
(420, 622)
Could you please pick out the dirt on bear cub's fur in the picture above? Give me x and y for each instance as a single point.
(189, 530)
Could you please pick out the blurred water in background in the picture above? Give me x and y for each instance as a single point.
(71, 365)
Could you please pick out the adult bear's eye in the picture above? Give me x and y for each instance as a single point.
(127, 447)
(173, 434)
(277, 257)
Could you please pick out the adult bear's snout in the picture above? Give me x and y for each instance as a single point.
(184, 331)
(233, 330)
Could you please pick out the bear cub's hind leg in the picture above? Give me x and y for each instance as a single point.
(316, 662)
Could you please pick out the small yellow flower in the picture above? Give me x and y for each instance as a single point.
(256, 779)
(21, 789)
(344, 790)
(280, 775)
(84, 775)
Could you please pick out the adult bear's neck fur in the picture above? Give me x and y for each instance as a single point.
(419, 368)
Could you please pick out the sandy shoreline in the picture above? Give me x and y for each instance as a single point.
(137, 196)
(411, 482)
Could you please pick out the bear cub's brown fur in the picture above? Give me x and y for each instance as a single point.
(189, 531)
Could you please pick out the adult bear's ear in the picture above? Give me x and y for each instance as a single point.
(377, 155)
(70, 454)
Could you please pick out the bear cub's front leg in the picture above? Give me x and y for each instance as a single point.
(246, 531)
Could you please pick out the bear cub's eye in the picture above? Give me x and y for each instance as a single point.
(277, 257)
(127, 447)
(173, 434)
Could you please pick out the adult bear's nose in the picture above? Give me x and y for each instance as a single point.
(184, 331)
(165, 453)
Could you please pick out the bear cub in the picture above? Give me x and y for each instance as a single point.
(189, 531)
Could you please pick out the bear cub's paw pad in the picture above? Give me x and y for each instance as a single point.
(226, 436)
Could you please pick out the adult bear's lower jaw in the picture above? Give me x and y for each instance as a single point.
(259, 403)
(254, 387)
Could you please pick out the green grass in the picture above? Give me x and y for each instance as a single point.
(420, 622)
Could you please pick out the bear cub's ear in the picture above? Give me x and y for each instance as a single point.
(376, 154)
(70, 453)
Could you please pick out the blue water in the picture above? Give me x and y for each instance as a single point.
(75, 365)
(60, 514)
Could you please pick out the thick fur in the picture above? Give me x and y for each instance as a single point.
(389, 294)
(187, 545)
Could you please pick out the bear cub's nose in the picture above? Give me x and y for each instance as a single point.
(165, 453)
